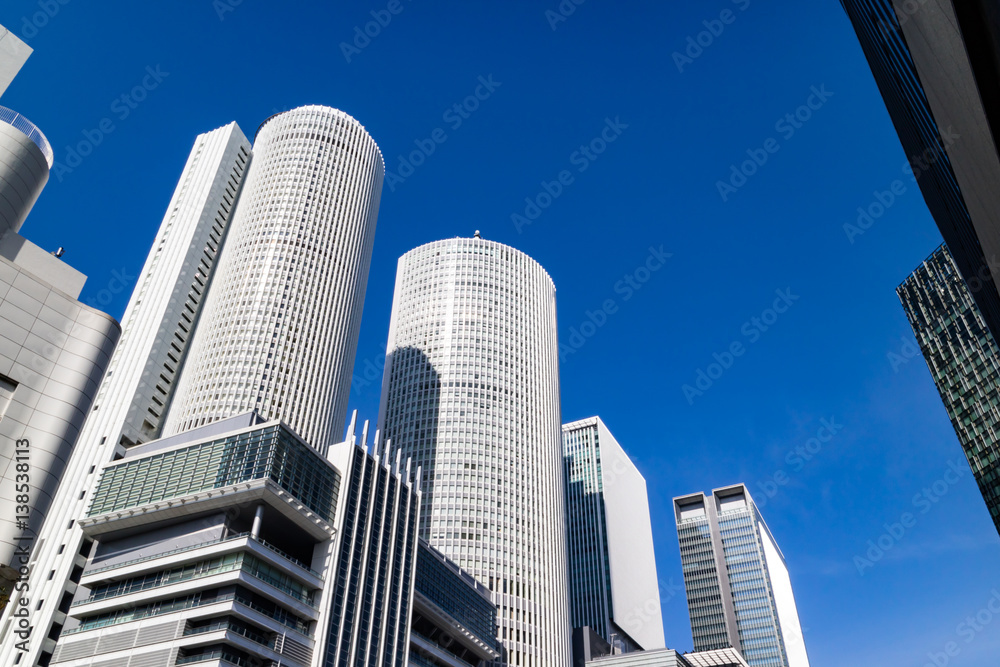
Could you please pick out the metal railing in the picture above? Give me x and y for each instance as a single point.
(304, 596)
(222, 655)
(229, 626)
(191, 547)
(178, 550)
(239, 598)
(21, 123)
(285, 555)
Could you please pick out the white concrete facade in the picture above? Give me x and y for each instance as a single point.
(24, 169)
(281, 324)
(471, 394)
(142, 372)
(613, 580)
(13, 54)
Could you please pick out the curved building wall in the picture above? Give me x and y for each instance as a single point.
(471, 393)
(281, 322)
(24, 171)
(53, 353)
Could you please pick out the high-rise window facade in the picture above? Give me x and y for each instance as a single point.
(471, 393)
(738, 590)
(142, 373)
(935, 64)
(238, 543)
(964, 361)
(612, 567)
(282, 319)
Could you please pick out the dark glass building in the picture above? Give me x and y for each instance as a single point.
(936, 63)
(454, 618)
(964, 361)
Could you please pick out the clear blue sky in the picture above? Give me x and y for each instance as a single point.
(654, 185)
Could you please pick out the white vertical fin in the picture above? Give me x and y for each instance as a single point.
(351, 428)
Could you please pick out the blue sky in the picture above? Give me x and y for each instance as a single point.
(679, 126)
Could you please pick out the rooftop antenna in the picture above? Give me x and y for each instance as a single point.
(60, 251)
(477, 235)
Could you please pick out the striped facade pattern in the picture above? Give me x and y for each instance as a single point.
(281, 323)
(882, 39)
(370, 598)
(590, 599)
(964, 360)
(471, 393)
(142, 372)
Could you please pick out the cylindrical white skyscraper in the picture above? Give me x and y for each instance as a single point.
(281, 321)
(471, 393)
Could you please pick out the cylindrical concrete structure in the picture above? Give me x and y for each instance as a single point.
(471, 393)
(25, 160)
(281, 321)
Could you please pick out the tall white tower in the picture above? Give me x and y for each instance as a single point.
(141, 376)
(282, 319)
(471, 393)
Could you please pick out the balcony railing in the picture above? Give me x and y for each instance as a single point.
(238, 598)
(303, 595)
(221, 655)
(192, 547)
(21, 123)
(229, 626)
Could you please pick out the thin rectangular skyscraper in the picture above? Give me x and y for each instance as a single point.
(738, 590)
(964, 361)
(612, 567)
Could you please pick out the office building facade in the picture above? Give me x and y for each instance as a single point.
(738, 590)
(53, 349)
(142, 374)
(454, 620)
(612, 567)
(727, 657)
(471, 391)
(286, 302)
(239, 543)
(964, 361)
(303, 241)
(936, 63)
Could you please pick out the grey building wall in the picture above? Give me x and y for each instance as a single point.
(24, 171)
(660, 658)
(53, 352)
(13, 54)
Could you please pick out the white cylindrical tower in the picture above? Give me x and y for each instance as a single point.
(281, 321)
(25, 160)
(471, 393)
